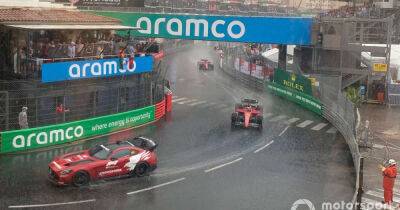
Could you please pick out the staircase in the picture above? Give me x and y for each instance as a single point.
(50, 4)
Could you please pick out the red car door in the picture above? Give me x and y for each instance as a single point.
(122, 157)
(110, 166)
(102, 168)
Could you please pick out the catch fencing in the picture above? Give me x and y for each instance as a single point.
(280, 12)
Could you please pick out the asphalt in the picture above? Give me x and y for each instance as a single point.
(203, 164)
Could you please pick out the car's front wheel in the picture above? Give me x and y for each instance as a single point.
(81, 178)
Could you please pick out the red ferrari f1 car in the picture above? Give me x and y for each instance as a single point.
(205, 64)
(247, 114)
(135, 157)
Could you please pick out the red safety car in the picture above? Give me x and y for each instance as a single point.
(247, 114)
(205, 64)
(135, 157)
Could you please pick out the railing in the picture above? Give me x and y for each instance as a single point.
(336, 108)
(283, 11)
(394, 94)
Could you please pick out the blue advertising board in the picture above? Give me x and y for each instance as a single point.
(74, 70)
(271, 30)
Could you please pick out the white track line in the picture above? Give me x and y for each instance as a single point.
(380, 195)
(156, 186)
(197, 103)
(220, 166)
(187, 101)
(278, 118)
(332, 130)
(319, 126)
(284, 130)
(293, 120)
(208, 105)
(265, 146)
(179, 99)
(305, 124)
(51, 204)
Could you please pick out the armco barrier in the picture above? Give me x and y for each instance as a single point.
(160, 110)
(334, 111)
(302, 99)
(46, 136)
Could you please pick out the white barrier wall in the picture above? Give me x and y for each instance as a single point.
(34, 3)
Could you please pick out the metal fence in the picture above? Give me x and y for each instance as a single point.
(281, 12)
(337, 109)
(81, 100)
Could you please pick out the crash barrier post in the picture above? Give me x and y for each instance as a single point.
(335, 108)
(168, 101)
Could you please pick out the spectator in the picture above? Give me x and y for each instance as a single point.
(99, 52)
(79, 47)
(22, 61)
(60, 111)
(71, 50)
(15, 60)
(23, 118)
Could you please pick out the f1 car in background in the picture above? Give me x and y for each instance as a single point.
(247, 114)
(205, 64)
(135, 157)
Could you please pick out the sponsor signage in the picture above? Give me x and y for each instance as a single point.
(302, 99)
(293, 81)
(274, 30)
(380, 67)
(74, 70)
(33, 138)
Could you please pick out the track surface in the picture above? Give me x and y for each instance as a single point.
(202, 163)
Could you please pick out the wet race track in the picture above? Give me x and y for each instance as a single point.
(203, 164)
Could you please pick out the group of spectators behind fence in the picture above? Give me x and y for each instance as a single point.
(349, 11)
(27, 60)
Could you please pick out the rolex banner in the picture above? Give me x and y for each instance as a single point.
(293, 81)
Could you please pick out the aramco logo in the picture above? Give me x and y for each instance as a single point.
(192, 27)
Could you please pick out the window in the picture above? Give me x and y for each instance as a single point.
(122, 153)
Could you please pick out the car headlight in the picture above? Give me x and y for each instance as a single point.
(65, 172)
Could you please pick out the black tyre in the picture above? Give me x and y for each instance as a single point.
(141, 169)
(233, 120)
(260, 123)
(81, 178)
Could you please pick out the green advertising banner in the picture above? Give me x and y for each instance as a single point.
(294, 81)
(303, 100)
(274, 30)
(33, 138)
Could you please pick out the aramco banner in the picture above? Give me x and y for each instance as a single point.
(272, 30)
(73, 70)
(33, 138)
(293, 81)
